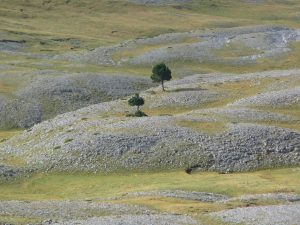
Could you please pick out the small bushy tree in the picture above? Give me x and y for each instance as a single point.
(161, 73)
(136, 101)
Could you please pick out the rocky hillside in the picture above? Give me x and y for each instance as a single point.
(219, 122)
(53, 61)
(49, 96)
(45, 93)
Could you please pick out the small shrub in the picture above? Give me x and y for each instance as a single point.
(136, 101)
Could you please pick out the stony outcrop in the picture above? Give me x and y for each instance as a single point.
(93, 139)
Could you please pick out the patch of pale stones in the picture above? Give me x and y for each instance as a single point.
(90, 139)
(262, 215)
(268, 41)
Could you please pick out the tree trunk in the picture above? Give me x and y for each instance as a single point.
(138, 108)
(162, 85)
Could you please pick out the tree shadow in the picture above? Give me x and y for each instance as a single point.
(186, 89)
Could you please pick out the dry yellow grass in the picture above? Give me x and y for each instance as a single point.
(8, 134)
(206, 127)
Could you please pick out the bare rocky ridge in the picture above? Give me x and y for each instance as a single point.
(284, 197)
(133, 220)
(196, 196)
(55, 92)
(275, 99)
(66, 212)
(90, 140)
(48, 96)
(264, 215)
(265, 42)
(84, 212)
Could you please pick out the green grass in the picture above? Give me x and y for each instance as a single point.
(83, 186)
(90, 186)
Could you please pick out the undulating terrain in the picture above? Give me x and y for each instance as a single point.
(220, 146)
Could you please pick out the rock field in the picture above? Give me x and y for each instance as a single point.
(94, 212)
(264, 215)
(46, 93)
(48, 96)
(243, 138)
(265, 42)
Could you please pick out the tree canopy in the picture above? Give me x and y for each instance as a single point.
(161, 73)
(136, 101)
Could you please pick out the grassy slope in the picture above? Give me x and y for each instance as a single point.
(99, 18)
(92, 187)
(89, 186)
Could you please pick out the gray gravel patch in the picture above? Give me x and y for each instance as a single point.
(50, 96)
(66, 210)
(268, 41)
(183, 98)
(264, 215)
(153, 143)
(11, 45)
(187, 195)
(135, 220)
(220, 78)
(89, 140)
(84, 212)
(275, 98)
(8, 173)
(238, 114)
(19, 113)
(285, 197)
